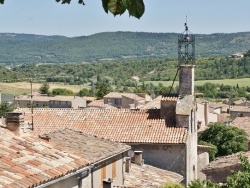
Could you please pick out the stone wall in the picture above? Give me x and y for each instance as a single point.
(168, 157)
(186, 80)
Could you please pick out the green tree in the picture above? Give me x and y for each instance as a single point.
(62, 91)
(84, 92)
(44, 89)
(5, 108)
(102, 88)
(135, 8)
(172, 185)
(202, 184)
(227, 139)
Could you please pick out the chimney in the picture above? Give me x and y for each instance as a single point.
(107, 183)
(206, 111)
(127, 164)
(15, 123)
(138, 158)
(186, 81)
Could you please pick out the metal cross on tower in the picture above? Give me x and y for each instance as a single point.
(186, 47)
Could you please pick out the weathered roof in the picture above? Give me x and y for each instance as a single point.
(45, 98)
(226, 161)
(89, 98)
(114, 95)
(240, 108)
(96, 103)
(128, 95)
(122, 125)
(91, 148)
(149, 176)
(242, 123)
(224, 117)
(29, 161)
(154, 104)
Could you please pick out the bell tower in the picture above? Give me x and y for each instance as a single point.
(186, 60)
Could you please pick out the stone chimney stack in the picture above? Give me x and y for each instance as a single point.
(186, 80)
(138, 158)
(15, 123)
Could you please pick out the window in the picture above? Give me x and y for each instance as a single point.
(117, 101)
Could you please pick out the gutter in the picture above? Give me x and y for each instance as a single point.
(84, 172)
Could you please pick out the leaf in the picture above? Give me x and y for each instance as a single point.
(105, 5)
(116, 7)
(135, 8)
(81, 2)
(1, 1)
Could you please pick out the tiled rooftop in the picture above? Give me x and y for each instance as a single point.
(243, 123)
(45, 98)
(224, 117)
(29, 161)
(154, 104)
(240, 108)
(122, 125)
(91, 148)
(149, 176)
(96, 103)
(170, 98)
(226, 161)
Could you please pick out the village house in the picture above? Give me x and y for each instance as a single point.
(40, 101)
(241, 102)
(66, 158)
(167, 136)
(126, 100)
(239, 111)
(103, 158)
(218, 170)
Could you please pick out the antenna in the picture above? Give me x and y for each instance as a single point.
(31, 102)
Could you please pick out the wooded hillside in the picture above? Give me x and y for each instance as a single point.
(24, 48)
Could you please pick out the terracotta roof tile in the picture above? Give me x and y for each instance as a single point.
(242, 123)
(122, 125)
(149, 176)
(25, 169)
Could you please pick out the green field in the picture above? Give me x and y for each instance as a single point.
(242, 82)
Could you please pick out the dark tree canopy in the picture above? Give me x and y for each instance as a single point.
(227, 139)
(135, 8)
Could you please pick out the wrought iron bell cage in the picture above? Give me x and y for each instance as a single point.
(186, 47)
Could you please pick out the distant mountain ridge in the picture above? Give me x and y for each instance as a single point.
(28, 48)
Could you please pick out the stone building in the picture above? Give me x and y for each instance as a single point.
(218, 170)
(239, 111)
(63, 158)
(40, 101)
(167, 136)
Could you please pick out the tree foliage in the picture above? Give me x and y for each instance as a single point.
(240, 178)
(5, 108)
(227, 139)
(44, 89)
(102, 88)
(62, 91)
(202, 184)
(85, 92)
(172, 185)
(135, 8)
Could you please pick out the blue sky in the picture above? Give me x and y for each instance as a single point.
(47, 17)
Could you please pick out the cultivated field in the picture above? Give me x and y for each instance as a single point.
(25, 87)
(243, 82)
